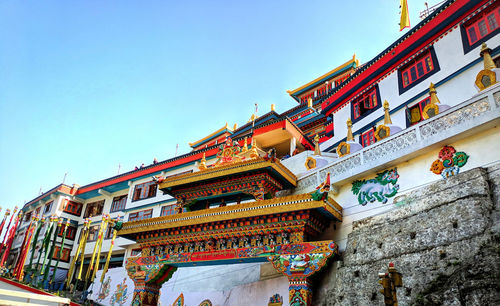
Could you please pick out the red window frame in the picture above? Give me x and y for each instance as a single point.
(365, 103)
(140, 215)
(368, 137)
(168, 210)
(483, 25)
(65, 253)
(119, 203)
(420, 108)
(419, 68)
(70, 233)
(145, 191)
(73, 208)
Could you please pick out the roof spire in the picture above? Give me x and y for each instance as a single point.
(349, 130)
(387, 117)
(317, 151)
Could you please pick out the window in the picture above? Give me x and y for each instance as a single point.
(480, 28)
(135, 252)
(168, 210)
(368, 137)
(70, 232)
(37, 212)
(64, 255)
(365, 104)
(118, 203)
(414, 113)
(417, 70)
(93, 232)
(94, 209)
(144, 191)
(140, 215)
(73, 208)
(27, 217)
(109, 233)
(47, 207)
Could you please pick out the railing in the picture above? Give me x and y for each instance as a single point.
(24, 298)
(473, 114)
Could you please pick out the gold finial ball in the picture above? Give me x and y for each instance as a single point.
(484, 48)
(349, 122)
(386, 104)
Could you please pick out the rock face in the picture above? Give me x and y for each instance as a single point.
(443, 238)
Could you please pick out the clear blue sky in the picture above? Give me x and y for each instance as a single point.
(87, 85)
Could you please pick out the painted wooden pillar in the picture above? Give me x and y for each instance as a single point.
(146, 294)
(299, 291)
(298, 267)
(148, 276)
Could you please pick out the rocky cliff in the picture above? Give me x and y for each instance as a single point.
(442, 237)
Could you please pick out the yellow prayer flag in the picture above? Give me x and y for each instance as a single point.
(405, 17)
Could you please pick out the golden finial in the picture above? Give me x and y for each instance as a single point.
(273, 107)
(245, 146)
(235, 126)
(253, 151)
(203, 163)
(310, 102)
(349, 130)
(487, 60)
(317, 151)
(433, 94)
(387, 117)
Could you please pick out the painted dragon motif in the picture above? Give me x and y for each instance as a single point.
(380, 188)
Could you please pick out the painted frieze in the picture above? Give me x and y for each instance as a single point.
(382, 187)
(120, 296)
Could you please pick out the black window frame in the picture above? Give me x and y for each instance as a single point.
(435, 64)
(463, 30)
(379, 104)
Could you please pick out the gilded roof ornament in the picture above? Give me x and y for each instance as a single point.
(349, 130)
(253, 151)
(387, 116)
(317, 151)
(203, 163)
(486, 77)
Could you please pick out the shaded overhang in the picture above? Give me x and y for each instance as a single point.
(280, 134)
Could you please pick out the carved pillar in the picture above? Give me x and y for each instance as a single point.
(148, 276)
(146, 294)
(299, 291)
(298, 267)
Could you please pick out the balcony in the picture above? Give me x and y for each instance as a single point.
(479, 113)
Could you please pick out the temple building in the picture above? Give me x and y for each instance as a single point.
(393, 160)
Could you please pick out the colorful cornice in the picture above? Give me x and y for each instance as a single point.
(243, 210)
(227, 170)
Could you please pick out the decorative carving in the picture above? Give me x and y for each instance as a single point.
(321, 193)
(382, 187)
(310, 163)
(431, 109)
(449, 163)
(275, 300)
(486, 77)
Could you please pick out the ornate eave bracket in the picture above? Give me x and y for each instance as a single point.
(298, 268)
(148, 280)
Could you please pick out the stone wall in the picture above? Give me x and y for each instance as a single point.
(443, 238)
